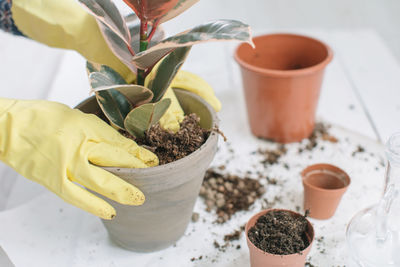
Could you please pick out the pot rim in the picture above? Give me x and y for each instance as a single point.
(321, 167)
(259, 214)
(212, 139)
(285, 73)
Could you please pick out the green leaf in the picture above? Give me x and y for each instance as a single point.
(114, 105)
(92, 67)
(179, 8)
(140, 119)
(166, 72)
(116, 98)
(135, 94)
(220, 30)
(107, 13)
(105, 77)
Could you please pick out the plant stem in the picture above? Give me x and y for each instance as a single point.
(143, 47)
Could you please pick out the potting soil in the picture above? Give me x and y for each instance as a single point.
(279, 232)
(169, 146)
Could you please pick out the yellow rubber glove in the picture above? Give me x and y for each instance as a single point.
(192, 83)
(65, 24)
(55, 145)
(197, 85)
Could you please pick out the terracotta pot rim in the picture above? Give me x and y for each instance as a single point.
(286, 73)
(212, 139)
(259, 214)
(324, 166)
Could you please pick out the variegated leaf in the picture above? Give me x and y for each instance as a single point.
(114, 105)
(220, 30)
(118, 46)
(92, 67)
(107, 13)
(135, 94)
(105, 77)
(179, 8)
(150, 10)
(166, 71)
(140, 119)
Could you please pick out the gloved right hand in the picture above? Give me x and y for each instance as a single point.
(55, 145)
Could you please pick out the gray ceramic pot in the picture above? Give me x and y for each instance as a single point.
(171, 190)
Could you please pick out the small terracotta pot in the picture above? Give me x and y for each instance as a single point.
(324, 186)
(282, 78)
(260, 258)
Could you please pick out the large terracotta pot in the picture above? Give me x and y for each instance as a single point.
(171, 189)
(260, 258)
(282, 78)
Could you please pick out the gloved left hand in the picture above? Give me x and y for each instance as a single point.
(55, 145)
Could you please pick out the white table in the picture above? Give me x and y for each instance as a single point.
(360, 93)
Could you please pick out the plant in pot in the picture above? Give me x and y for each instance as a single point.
(138, 107)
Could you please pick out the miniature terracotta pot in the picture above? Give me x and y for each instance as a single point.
(260, 258)
(171, 190)
(282, 78)
(324, 186)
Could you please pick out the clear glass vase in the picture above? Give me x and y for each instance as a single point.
(373, 235)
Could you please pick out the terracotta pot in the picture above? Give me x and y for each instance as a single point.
(171, 190)
(260, 258)
(324, 186)
(282, 78)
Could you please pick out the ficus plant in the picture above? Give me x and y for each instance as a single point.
(134, 107)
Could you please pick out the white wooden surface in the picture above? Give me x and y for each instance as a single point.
(360, 93)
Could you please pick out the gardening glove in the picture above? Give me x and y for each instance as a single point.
(190, 82)
(65, 24)
(55, 145)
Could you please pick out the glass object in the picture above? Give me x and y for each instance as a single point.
(373, 234)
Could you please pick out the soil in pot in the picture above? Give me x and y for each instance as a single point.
(280, 233)
(169, 146)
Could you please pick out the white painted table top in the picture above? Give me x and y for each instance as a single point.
(360, 93)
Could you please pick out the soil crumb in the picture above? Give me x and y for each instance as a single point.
(228, 194)
(272, 156)
(235, 235)
(169, 146)
(278, 232)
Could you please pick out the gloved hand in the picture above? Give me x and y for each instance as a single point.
(65, 24)
(55, 145)
(192, 83)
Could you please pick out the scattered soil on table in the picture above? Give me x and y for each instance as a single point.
(278, 232)
(308, 264)
(235, 235)
(272, 156)
(169, 146)
(359, 149)
(321, 131)
(195, 217)
(228, 194)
